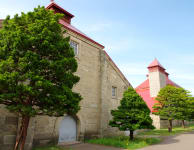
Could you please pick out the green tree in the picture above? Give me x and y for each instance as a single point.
(172, 104)
(183, 104)
(191, 108)
(37, 68)
(132, 114)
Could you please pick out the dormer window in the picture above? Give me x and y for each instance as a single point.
(74, 45)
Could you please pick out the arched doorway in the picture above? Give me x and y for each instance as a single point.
(68, 130)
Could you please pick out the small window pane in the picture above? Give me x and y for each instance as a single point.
(74, 45)
(114, 90)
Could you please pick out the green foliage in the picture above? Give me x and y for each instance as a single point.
(37, 65)
(173, 103)
(132, 114)
(191, 108)
(124, 142)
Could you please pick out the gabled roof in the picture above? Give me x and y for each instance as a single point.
(53, 4)
(145, 94)
(144, 85)
(77, 31)
(69, 26)
(144, 88)
(144, 91)
(155, 63)
(118, 70)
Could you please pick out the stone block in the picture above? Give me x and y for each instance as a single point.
(11, 120)
(28, 146)
(2, 120)
(7, 147)
(9, 139)
(1, 139)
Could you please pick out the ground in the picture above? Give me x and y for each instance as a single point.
(91, 147)
(179, 139)
(178, 142)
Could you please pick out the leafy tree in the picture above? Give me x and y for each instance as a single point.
(191, 108)
(36, 68)
(172, 104)
(132, 114)
(183, 104)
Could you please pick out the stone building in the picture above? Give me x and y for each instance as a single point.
(101, 86)
(157, 78)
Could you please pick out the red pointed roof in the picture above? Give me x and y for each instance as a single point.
(155, 63)
(54, 5)
(144, 88)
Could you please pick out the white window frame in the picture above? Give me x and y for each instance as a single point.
(75, 45)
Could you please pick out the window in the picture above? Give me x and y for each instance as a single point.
(74, 45)
(114, 91)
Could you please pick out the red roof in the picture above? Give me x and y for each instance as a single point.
(75, 30)
(145, 94)
(144, 91)
(69, 26)
(53, 4)
(155, 63)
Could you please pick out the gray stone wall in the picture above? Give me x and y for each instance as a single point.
(97, 76)
(8, 128)
(110, 76)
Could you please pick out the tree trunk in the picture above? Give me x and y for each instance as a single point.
(183, 123)
(170, 126)
(131, 134)
(21, 136)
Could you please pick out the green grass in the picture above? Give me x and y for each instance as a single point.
(164, 132)
(124, 142)
(144, 139)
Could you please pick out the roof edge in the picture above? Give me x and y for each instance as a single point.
(60, 8)
(84, 36)
(110, 59)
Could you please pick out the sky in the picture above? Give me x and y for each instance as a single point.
(134, 32)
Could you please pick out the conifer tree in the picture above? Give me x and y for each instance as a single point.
(37, 68)
(132, 114)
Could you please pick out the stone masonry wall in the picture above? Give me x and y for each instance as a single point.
(157, 80)
(96, 80)
(156, 121)
(110, 77)
(47, 128)
(8, 128)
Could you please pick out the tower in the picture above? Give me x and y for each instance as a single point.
(157, 77)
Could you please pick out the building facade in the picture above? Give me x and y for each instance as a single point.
(101, 86)
(157, 78)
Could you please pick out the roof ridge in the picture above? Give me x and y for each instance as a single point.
(155, 63)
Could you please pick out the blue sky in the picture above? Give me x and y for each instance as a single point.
(134, 32)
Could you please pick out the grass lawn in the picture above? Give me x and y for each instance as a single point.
(124, 142)
(164, 132)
